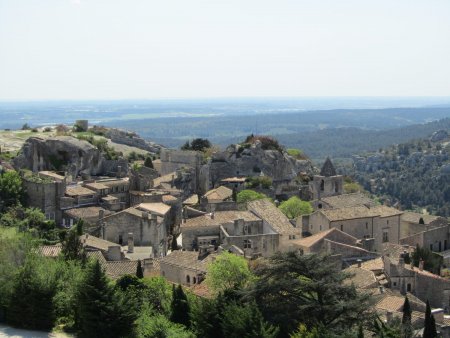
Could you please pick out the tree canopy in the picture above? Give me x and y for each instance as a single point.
(295, 207)
(247, 195)
(11, 192)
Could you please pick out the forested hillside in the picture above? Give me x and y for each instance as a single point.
(415, 174)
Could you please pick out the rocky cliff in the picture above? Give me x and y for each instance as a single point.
(60, 153)
(132, 139)
(253, 161)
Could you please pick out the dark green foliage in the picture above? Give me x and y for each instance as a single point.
(11, 192)
(180, 307)
(72, 248)
(407, 329)
(294, 289)
(246, 321)
(101, 313)
(386, 330)
(148, 162)
(432, 261)
(26, 126)
(198, 144)
(139, 271)
(429, 330)
(267, 142)
(31, 304)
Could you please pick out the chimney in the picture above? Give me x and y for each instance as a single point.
(101, 214)
(389, 316)
(119, 171)
(130, 242)
(421, 264)
(438, 315)
(359, 261)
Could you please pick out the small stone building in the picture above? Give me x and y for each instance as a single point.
(328, 183)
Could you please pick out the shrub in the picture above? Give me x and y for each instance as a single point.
(249, 195)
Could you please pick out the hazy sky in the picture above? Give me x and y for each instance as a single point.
(104, 49)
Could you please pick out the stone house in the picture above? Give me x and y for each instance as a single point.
(44, 191)
(185, 267)
(275, 220)
(236, 183)
(328, 183)
(148, 222)
(90, 215)
(79, 196)
(218, 199)
(205, 229)
(412, 223)
(334, 242)
(343, 201)
(434, 238)
(380, 223)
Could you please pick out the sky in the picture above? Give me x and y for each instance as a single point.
(144, 49)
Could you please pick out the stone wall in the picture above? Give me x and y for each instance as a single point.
(190, 235)
(435, 239)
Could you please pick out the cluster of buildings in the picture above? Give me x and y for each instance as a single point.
(159, 217)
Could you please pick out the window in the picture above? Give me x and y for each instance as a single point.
(320, 205)
(387, 222)
(188, 279)
(194, 280)
(367, 225)
(320, 228)
(408, 287)
(395, 283)
(322, 185)
(385, 236)
(120, 239)
(247, 244)
(336, 187)
(342, 227)
(431, 247)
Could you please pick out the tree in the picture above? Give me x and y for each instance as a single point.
(227, 271)
(406, 320)
(139, 271)
(11, 192)
(432, 261)
(246, 321)
(150, 325)
(180, 307)
(148, 162)
(100, 313)
(295, 207)
(200, 144)
(293, 289)
(429, 330)
(246, 195)
(72, 248)
(26, 126)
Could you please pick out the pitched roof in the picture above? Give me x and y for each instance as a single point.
(391, 303)
(220, 217)
(328, 168)
(164, 179)
(219, 194)
(51, 174)
(307, 242)
(265, 209)
(361, 278)
(234, 180)
(78, 190)
(168, 198)
(339, 214)
(186, 259)
(158, 208)
(86, 212)
(116, 269)
(95, 242)
(50, 250)
(414, 217)
(372, 264)
(96, 186)
(348, 200)
(191, 200)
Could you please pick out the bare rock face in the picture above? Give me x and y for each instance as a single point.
(60, 153)
(132, 139)
(439, 135)
(254, 161)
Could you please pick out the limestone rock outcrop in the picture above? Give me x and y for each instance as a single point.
(60, 153)
(253, 161)
(132, 139)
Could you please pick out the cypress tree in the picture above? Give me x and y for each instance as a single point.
(148, 162)
(406, 319)
(139, 271)
(429, 330)
(180, 307)
(99, 312)
(72, 248)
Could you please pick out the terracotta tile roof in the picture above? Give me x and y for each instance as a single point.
(307, 242)
(391, 303)
(359, 212)
(78, 191)
(265, 209)
(187, 259)
(97, 255)
(348, 200)
(219, 194)
(164, 179)
(116, 269)
(200, 290)
(168, 198)
(86, 212)
(220, 217)
(372, 264)
(361, 278)
(414, 217)
(159, 209)
(50, 250)
(95, 242)
(191, 200)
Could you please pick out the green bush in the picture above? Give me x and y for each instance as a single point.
(249, 195)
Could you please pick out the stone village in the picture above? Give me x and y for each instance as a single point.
(176, 217)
